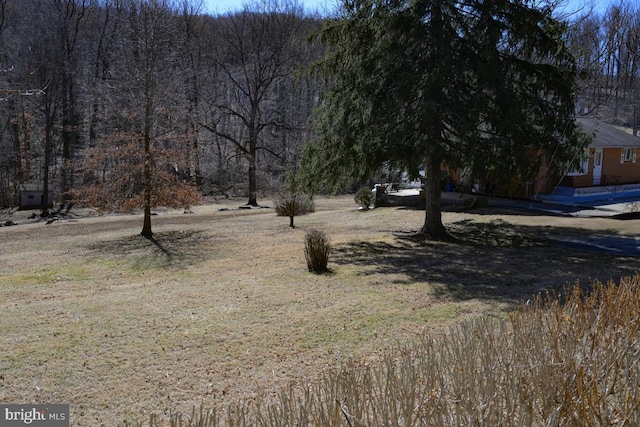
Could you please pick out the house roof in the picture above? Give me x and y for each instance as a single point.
(608, 135)
(31, 186)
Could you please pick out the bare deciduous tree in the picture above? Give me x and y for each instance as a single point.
(255, 51)
(606, 45)
(138, 161)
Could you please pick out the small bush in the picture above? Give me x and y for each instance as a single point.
(294, 200)
(364, 198)
(316, 250)
(290, 205)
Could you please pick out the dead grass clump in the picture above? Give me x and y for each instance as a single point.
(316, 250)
(570, 361)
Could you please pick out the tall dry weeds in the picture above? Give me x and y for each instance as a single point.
(317, 247)
(570, 360)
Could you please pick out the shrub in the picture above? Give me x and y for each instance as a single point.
(294, 205)
(316, 250)
(294, 200)
(297, 205)
(364, 198)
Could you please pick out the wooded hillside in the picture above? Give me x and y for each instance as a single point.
(607, 46)
(86, 82)
(220, 102)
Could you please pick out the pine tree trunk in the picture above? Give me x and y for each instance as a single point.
(433, 228)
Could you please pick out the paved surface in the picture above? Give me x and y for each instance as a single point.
(628, 246)
(621, 210)
(620, 245)
(621, 207)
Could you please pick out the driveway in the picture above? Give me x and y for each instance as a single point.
(620, 245)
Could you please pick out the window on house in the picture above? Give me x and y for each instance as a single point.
(628, 155)
(584, 165)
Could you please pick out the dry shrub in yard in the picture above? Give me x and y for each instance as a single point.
(316, 250)
(292, 205)
(572, 360)
(364, 198)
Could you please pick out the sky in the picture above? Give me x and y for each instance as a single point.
(224, 6)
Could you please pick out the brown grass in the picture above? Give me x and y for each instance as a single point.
(569, 360)
(220, 305)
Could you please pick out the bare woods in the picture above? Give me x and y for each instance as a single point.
(122, 103)
(134, 103)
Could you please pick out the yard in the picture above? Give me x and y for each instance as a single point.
(220, 306)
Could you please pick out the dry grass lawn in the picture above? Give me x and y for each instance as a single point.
(220, 305)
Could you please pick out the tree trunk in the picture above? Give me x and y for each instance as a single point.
(146, 224)
(253, 186)
(433, 228)
(49, 117)
(69, 142)
(48, 141)
(148, 184)
(196, 172)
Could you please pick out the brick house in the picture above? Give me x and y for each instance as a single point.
(610, 171)
(612, 157)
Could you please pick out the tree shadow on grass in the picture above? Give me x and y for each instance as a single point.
(173, 249)
(158, 245)
(499, 261)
